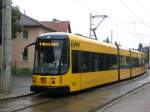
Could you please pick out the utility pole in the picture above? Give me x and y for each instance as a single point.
(111, 36)
(92, 30)
(149, 56)
(5, 79)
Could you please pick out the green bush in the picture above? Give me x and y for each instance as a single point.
(21, 71)
(26, 71)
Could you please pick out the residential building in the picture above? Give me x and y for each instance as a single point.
(31, 28)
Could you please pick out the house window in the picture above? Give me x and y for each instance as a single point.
(25, 55)
(25, 34)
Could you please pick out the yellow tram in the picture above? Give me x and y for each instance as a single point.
(68, 62)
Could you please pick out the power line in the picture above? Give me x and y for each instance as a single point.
(140, 4)
(118, 25)
(85, 6)
(91, 10)
(124, 29)
(125, 5)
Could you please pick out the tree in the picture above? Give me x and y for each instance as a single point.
(107, 40)
(140, 48)
(15, 21)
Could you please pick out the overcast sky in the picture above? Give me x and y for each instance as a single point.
(128, 19)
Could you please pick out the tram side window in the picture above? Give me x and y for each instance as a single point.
(114, 62)
(91, 62)
(104, 62)
(124, 62)
(142, 62)
(95, 62)
(135, 62)
(75, 62)
(101, 62)
(86, 62)
(139, 61)
(108, 61)
(129, 61)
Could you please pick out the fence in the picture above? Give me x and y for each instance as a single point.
(20, 68)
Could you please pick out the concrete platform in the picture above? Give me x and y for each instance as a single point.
(16, 93)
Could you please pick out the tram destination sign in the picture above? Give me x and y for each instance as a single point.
(48, 44)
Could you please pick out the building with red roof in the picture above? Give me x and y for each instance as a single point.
(31, 28)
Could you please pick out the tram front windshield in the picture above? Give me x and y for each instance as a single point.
(51, 57)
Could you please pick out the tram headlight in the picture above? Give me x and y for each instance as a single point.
(53, 80)
(33, 80)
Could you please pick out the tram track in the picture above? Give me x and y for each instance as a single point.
(123, 96)
(33, 105)
(16, 97)
(23, 103)
(119, 98)
(38, 99)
